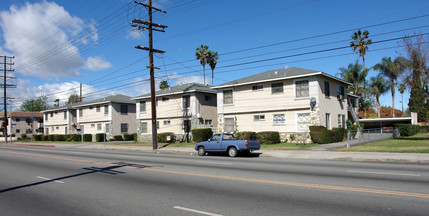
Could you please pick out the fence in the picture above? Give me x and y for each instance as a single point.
(370, 135)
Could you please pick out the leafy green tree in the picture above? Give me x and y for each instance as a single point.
(378, 86)
(355, 75)
(164, 84)
(74, 98)
(201, 54)
(360, 45)
(391, 70)
(35, 105)
(212, 58)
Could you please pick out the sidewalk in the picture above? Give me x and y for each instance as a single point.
(314, 154)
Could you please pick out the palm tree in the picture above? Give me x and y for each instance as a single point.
(212, 58)
(401, 89)
(379, 86)
(392, 70)
(355, 75)
(360, 45)
(164, 84)
(201, 55)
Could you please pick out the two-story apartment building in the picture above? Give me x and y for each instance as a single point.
(179, 109)
(285, 100)
(60, 120)
(113, 115)
(24, 123)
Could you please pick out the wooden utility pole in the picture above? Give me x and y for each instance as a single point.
(143, 25)
(6, 63)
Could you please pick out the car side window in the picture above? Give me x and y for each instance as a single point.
(216, 137)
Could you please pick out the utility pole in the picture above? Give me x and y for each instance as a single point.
(7, 67)
(143, 25)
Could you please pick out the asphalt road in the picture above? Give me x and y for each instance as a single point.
(55, 181)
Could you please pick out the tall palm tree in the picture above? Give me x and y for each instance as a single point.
(392, 70)
(201, 54)
(354, 74)
(401, 89)
(379, 86)
(164, 84)
(360, 45)
(212, 58)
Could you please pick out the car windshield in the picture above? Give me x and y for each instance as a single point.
(228, 137)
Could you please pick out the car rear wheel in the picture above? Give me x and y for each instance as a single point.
(232, 152)
(201, 151)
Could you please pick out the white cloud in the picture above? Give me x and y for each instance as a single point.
(44, 38)
(135, 34)
(97, 63)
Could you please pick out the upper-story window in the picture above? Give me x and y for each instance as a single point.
(228, 97)
(165, 99)
(18, 119)
(142, 106)
(186, 101)
(207, 97)
(65, 115)
(302, 89)
(98, 109)
(276, 88)
(106, 109)
(341, 92)
(327, 89)
(257, 87)
(80, 112)
(258, 117)
(124, 109)
(52, 114)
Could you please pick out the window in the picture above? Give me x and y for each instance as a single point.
(28, 131)
(208, 122)
(92, 125)
(91, 107)
(65, 130)
(97, 108)
(40, 120)
(257, 87)
(279, 119)
(276, 88)
(98, 127)
(124, 109)
(143, 127)
(80, 112)
(341, 121)
(28, 121)
(65, 115)
(57, 128)
(328, 121)
(229, 125)
(106, 128)
(327, 89)
(167, 122)
(17, 131)
(46, 117)
(302, 89)
(106, 109)
(52, 129)
(142, 106)
(18, 119)
(186, 101)
(157, 124)
(165, 99)
(258, 117)
(303, 122)
(124, 128)
(207, 97)
(215, 137)
(52, 114)
(340, 92)
(228, 97)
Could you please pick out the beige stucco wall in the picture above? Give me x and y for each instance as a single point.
(118, 118)
(206, 110)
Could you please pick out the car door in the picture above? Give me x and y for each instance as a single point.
(214, 143)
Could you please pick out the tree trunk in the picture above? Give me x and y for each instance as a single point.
(204, 71)
(364, 89)
(393, 98)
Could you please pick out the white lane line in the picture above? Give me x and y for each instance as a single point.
(383, 173)
(196, 211)
(218, 163)
(44, 178)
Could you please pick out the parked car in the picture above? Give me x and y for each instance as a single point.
(225, 142)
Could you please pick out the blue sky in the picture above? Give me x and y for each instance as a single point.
(59, 44)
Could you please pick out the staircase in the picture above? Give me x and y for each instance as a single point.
(355, 118)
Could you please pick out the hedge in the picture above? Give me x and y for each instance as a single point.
(201, 134)
(246, 135)
(424, 129)
(45, 137)
(320, 135)
(128, 137)
(339, 134)
(408, 129)
(99, 137)
(268, 137)
(59, 137)
(135, 137)
(87, 137)
(162, 137)
(51, 137)
(118, 138)
(37, 137)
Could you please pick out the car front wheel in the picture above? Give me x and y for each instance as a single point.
(201, 151)
(232, 152)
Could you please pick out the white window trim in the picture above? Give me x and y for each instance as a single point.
(282, 123)
(258, 89)
(147, 127)
(296, 121)
(294, 89)
(259, 119)
(225, 121)
(145, 107)
(233, 96)
(181, 102)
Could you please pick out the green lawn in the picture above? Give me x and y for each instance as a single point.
(418, 143)
(286, 146)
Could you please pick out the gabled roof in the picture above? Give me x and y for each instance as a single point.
(109, 99)
(179, 89)
(280, 74)
(65, 107)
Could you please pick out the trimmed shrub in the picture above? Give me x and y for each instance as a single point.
(118, 138)
(68, 137)
(320, 135)
(268, 137)
(99, 137)
(135, 137)
(45, 137)
(128, 137)
(408, 129)
(424, 129)
(201, 134)
(87, 137)
(245, 135)
(162, 137)
(37, 137)
(59, 137)
(51, 137)
(339, 134)
(77, 138)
